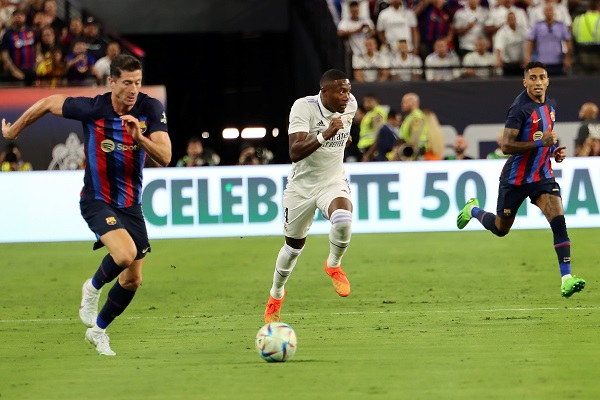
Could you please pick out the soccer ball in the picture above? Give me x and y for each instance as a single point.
(276, 342)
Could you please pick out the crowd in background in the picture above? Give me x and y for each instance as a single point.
(440, 40)
(39, 48)
(379, 133)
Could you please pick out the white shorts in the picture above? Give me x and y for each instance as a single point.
(299, 211)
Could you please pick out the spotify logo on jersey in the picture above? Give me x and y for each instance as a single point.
(107, 145)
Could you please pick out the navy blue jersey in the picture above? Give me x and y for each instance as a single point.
(114, 161)
(531, 119)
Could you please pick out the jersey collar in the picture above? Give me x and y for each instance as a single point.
(324, 111)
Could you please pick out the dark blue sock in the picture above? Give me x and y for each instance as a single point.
(488, 220)
(562, 244)
(117, 301)
(107, 271)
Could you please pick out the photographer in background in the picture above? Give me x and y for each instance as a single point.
(197, 156)
(254, 155)
(589, 131)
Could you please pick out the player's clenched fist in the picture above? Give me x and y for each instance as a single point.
(334, 125)
(549, 137)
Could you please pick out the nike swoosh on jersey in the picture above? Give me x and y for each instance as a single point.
(535, 121)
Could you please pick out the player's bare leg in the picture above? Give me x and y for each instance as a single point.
(340, 216)
(552, 208)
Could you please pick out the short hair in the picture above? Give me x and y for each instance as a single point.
(534, 64)
(353, 4)
(330, 76)
(194, 139)
(11, 157)
(124, 62)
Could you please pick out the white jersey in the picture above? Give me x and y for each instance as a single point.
(325, 165)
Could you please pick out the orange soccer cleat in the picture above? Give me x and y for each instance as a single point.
(273, 310)
(340, 282)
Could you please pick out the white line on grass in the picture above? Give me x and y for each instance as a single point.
(465, 311)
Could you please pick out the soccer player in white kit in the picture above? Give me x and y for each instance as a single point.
(318, 133)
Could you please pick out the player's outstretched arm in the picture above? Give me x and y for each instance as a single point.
(51, 104)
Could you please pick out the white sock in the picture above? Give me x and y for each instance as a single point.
(565, 277)
(339, 236)
(286, 260)
(96, 329)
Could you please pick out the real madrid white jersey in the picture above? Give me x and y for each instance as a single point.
(325, 165)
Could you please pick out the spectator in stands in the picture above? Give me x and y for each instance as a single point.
(80, 65)
(442, 65)
(561, 13)
(47, 42)
(498, 154)
(74, 32)
(459, 147)
(586, 35)
(469, 24)
(509, 45)
(547, 38)
(30, 8)
(435, 23)
(18, 49)
(590, 128)
(372, 65)
(481, 62)
(12, 159)
(375, 117)
(96, 46)
(102, 66)
(6, 12)
(40, 21)
(52, 71)
(405, 66)
(398, 23)
(60, 27)
(356, 29)
(197, 156)
(497, 17)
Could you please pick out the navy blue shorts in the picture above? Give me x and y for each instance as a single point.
(510, 197)
(102, 218)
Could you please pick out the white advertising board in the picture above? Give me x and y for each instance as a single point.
(246, 201)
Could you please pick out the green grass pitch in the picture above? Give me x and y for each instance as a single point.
(453, 315)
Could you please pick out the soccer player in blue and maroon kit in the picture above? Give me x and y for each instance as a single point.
(120, 128)
(531, 142)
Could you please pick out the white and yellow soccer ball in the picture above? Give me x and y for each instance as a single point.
(276, 342)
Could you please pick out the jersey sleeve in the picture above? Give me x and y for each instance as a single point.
(299, 117)
(157, 118)
(78, 108)
(515, 117)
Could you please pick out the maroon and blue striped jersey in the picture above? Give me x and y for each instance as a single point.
(20, 46)
(114, 161)
(531, 119)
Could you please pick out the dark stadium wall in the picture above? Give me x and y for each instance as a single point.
(186, 16)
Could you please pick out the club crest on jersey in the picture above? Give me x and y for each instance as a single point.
(111, 221)
(143, 127)
(552, 115)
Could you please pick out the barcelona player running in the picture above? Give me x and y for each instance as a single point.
(531, 142)
(318, 133)
(120, 128)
